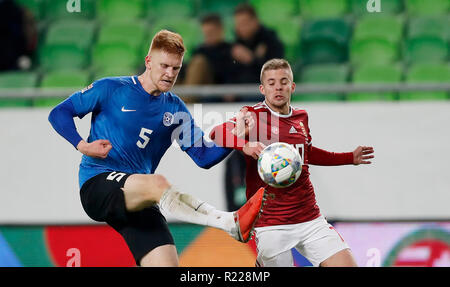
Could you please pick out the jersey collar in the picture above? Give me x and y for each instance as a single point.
(278, 114)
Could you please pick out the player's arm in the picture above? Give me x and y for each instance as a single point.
(232, 134)
(78, 105)
(191, 139)
(360, 155)
(207, 154)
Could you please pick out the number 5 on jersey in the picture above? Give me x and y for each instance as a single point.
(144, 135)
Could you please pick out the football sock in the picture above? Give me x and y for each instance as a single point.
(188, 208)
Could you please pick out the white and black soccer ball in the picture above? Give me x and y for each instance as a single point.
(279, 165)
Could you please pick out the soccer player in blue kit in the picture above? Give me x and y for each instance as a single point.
(134, 121)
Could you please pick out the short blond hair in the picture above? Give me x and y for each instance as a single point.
(276, 64)
(169, 42)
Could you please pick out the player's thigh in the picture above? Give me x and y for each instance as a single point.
(322, 242)
(143, 190)
(283, 259)
(343, 258)
(162, 256)
(274, 247)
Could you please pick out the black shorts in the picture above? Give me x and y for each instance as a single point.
(103, 200)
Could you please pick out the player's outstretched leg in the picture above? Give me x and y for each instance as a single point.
(144, 190)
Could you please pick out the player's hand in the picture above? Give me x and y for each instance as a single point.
(96, 149)
(362, 154)
(244, 123)
(253, 149)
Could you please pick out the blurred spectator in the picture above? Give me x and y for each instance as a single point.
(255, 44)
(211, 62)
(18, 35)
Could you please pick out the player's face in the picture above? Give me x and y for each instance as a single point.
(164, 69)
(277, 87)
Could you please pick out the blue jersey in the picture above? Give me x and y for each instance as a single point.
(140, 126)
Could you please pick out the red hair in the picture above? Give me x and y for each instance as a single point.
(169, 42)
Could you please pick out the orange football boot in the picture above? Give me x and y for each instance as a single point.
(247, 215)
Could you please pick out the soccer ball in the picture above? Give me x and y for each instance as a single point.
(279, 165)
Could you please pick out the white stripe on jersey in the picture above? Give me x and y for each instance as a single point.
(132, 77)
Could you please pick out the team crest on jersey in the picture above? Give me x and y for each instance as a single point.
(167, 119)
(86, 88)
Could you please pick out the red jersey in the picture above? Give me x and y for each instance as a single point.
(296, 203)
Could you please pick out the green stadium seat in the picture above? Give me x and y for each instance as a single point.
(323, 74)
(323, 8)
(112, 10)
(33, 6)
(289, 31)
(115, 72)
(273, 11)
(427, 7)
(65, 79)
(108, 56)
(325, 41)
(375, 74)
(189, 29)
(376, 40)
(69, 79)
(427, 40)
(427, 73)
(174, 8)
(373, 51)
(57, 9)
(132, 33)
(390, 7)
(71, 32)
(18, 80)
(59, 57)
(374, 26)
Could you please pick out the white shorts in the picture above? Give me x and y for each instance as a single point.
(316, 240)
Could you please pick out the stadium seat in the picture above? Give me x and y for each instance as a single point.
(323, 8)
(65, 79)
(108, 56)
(273, 11)
(325, 41)
(427, 7)
(71, 32)
(174, 8)
(57, 9)
(376, 40)
(115, 72)
(18, 80)
(132, 33)
(58, 57)
(391, 7)
(427, 40)
(427, 73)
(113, 10)
(375, 74)
(322, 74)
(289, 31)
(72, 80)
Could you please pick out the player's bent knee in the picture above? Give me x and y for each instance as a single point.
(142, 190)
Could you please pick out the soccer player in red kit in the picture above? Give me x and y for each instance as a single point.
(291, 217)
